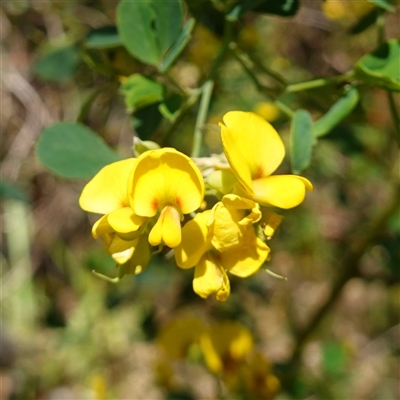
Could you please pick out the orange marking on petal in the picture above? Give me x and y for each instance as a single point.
(178, 202)
(154, 204)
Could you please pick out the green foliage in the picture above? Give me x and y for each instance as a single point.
(58, 64)
(301, 141)
(73, 151)
(140, 91)
(381, 67)
(178, 46)
(103, 38)
(149, 28)
(343, 107)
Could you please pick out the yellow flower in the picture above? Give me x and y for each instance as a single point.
(179, 335)
(257, 378)
(166, 184)
(254, 151)
(120, 228)
(267, 110)
(220, 240)
(225, 346)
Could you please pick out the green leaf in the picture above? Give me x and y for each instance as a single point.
(140, 91)
(383, 4)
(382, 67)
(103, 38)
(301, 141)
(178, 46)
(10, 190)
(72, 150)
(283, 8)
(58, 64)
(343, 107)
(148, 28)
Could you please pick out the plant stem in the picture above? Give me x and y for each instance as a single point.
(254, 61)
(349, 270)
(201, 117)
(316, 83)
(192, 100)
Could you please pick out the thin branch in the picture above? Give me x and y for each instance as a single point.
(201, 117)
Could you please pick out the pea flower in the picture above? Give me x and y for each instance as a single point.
(254, 151)
(225, 346)
(166, 184)
(120, 228)
(220, 240)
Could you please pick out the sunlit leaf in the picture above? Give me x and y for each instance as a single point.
(301, 141)
(343, 107)
(140, 91)
(72, 150)
(103, 38)
(178, 46)
(148, 28)
(58, 64)
(382, 67)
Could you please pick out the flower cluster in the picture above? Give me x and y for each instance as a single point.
(227, 350)
(143, 201)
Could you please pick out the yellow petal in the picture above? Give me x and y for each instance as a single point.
(140, 257)
(245, 260)
(124, 220)
(283, 191)
(252, 146)
(164, 177)
(240, 203)
(167, 230)
(211, 357)
(108, 189)
(232, 218)
(195, 242)
(231, 340)
(207, 277)
(270, 222)
(176, 337)
(101, 226)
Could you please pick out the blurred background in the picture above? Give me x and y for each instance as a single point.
(330, 331)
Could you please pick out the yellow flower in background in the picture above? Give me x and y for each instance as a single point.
(225, 346)
(166, 184)
(257, 378)
(177, 336)
(220, 240)
(254, 151)
(267, 110)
